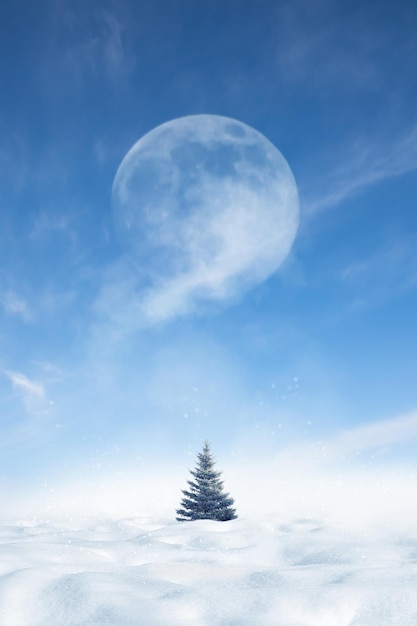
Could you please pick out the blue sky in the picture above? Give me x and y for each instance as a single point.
(322, 350)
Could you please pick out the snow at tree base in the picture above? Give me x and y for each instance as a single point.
(206, 498)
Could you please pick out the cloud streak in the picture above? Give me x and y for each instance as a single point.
(29, 389)
(368, 166)
(383, 434)
(29, 411)
(14, 304)
(95, 50)
(379, 436)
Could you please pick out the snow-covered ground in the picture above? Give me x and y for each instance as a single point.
(274, 572)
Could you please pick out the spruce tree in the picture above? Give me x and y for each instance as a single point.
(205, 498)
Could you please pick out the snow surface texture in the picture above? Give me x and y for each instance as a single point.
(272, 573)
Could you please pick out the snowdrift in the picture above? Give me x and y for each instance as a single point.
(139, 573)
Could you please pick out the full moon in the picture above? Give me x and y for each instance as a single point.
(205, 205)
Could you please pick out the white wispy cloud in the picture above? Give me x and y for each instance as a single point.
(29, 410)
(116, 59)
(29, 389)
(381, 435)
(93, 45)
(48, 221)
(376, 435)
(366, 165)
(14, 304)
(315, 45)
(321, 50)
(225, 256)
(382, 274)
(51, 373)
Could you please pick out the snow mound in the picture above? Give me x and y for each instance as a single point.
(134, 572)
